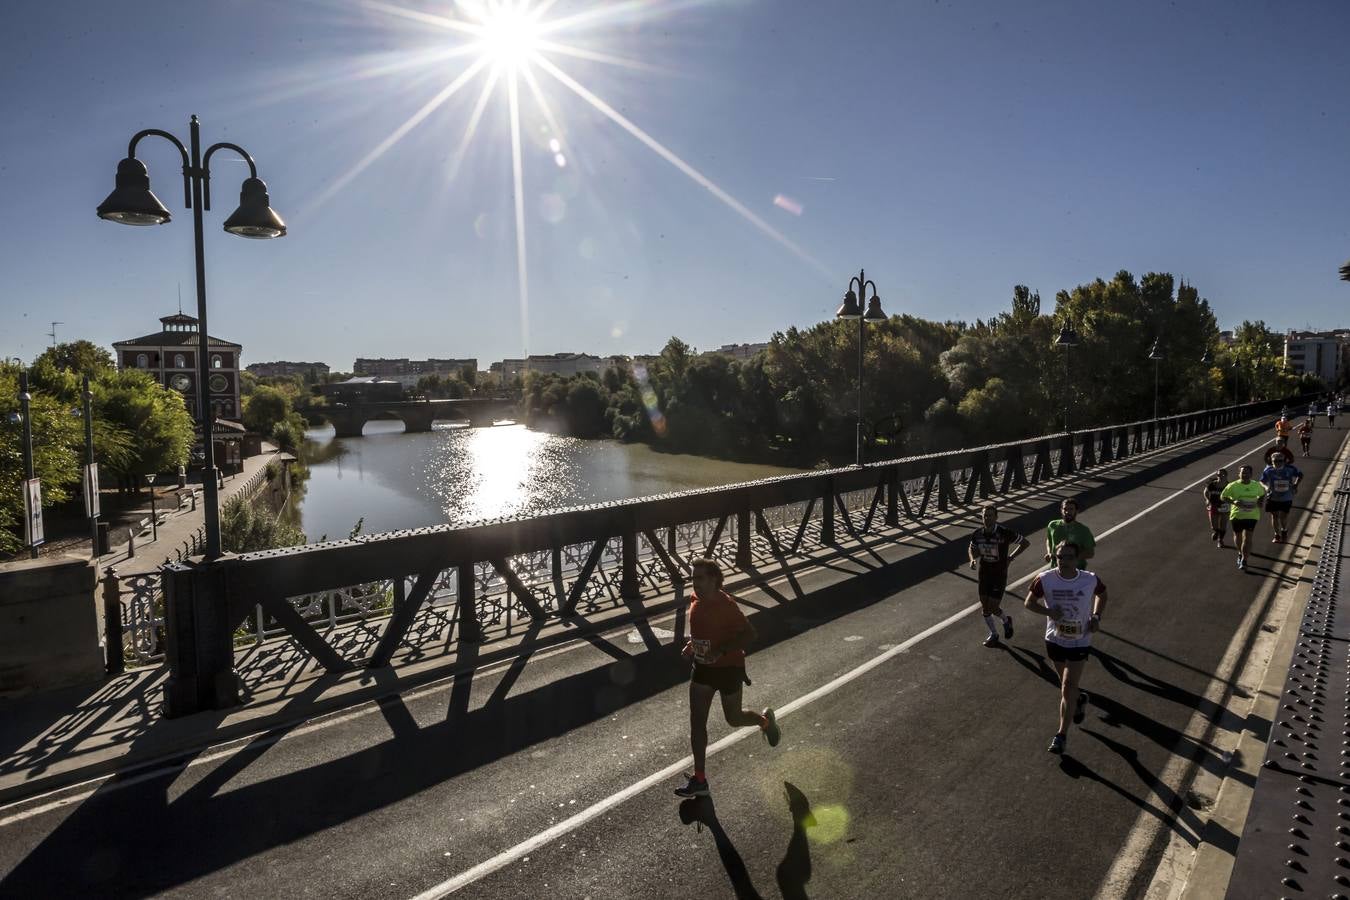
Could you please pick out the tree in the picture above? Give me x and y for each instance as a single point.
(58, 447)
(81, 357)
(246, 527)
(265, 407)
(158, 423)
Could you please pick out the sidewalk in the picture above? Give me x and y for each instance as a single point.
(179, 523)
(60, 738)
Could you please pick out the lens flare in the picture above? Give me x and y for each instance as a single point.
(654, 414)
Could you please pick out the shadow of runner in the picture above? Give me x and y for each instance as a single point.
(795, 870)
(702, 811)
(1075, 768)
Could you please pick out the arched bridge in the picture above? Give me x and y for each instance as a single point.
(349, 418)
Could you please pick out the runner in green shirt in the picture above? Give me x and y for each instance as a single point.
(1069, 529)
(1246, 496)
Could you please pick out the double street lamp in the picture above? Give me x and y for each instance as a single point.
(852, 308)
(132, 203)
(1068, 339)
(1206, 360)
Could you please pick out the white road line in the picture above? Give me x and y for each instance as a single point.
(528, 846)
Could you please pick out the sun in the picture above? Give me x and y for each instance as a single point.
(509, 36)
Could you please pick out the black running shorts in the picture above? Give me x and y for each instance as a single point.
(726, 679)
(1243, 524)
(1279, 505)
(1060, 653)
(993, 581)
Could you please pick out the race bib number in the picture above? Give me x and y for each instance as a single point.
(1246, 504)
(702, 650)
(1068, 629)
(1281, 485)
(989, 554)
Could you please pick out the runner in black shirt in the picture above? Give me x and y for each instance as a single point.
(1216, 507)
(992, 547)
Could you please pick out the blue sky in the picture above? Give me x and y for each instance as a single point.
(954, 149)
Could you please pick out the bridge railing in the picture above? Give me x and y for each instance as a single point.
(360, 602)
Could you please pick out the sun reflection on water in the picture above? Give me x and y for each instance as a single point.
(483, 473)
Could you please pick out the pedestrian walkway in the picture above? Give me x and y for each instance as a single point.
(178, 525)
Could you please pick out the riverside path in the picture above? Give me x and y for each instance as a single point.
(913, 759)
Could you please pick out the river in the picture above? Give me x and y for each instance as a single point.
(393, 480)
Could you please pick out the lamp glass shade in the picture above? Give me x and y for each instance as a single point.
(874, 313)
(1067, 337)
(254, 218)
(132, 202)
(849, 309)
(1345, 272)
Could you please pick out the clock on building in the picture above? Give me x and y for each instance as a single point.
(181, 382)
(219, 383)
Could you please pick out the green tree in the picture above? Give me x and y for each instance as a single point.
(265, 407)
(58, 448)
(81, 357)
(156, 420)
(246, 527)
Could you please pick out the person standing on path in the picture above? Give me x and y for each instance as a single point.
(1214, 506)
(992, 548)
(1072, 601)
(718, 636)
(1245, 496)
(1281, 479)
(1068, 528)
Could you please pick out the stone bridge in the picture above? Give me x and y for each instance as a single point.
(349, 418)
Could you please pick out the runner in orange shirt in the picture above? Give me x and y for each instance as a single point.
(718, 636)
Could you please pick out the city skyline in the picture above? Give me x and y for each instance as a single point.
(711, 171)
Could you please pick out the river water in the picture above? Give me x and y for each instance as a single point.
(393, 480)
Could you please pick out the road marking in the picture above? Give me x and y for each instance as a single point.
(600, 807)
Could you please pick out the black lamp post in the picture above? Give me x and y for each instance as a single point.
(1068, 339)
(1155, 354)
(851, 308)
(132, 203)
(1345, 272)
(90, 487)
(25, 418)
(154, 516)
(1205, 361)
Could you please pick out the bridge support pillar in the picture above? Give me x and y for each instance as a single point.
(892, 497)
(743, 559)
(827, 514)
(469, 629)
(199, 640)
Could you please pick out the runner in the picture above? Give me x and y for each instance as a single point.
(1281, 479)
(1332, 408)
(1283, 428)
(1072, 601)
(718, 635)
(989, 549)
(1246, 496)
(1218, 516)
(1069, 528)
(1305, 432)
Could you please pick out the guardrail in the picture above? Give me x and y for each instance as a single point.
(438, 585)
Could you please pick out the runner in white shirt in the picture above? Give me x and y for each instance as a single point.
(1072, 600)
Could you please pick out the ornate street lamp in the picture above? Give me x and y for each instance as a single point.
(1345, 272)
(1155, 354)
(1206, 360)
(132, 203)
(24, 417)
(851, 308)
(154, 517)
(1068, 339)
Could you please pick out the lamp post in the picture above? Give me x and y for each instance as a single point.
(132, 203)
(154, 517)
(852, 308)
(1205, 361)
(90, 482)
(1155, 354)
(24, 417)
(1068, 339)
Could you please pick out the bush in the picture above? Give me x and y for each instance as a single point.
(246, 527)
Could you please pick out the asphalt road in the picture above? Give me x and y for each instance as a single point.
(926, 775)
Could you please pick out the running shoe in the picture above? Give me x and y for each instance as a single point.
(991, 641)
(1242, 563)
(1057, 744)
(1007, 628)
(693, 787)
(1080, 711)
(772, 733)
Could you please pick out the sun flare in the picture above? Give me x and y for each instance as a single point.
(510, 36)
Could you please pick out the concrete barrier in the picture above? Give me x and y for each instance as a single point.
(49, 625)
